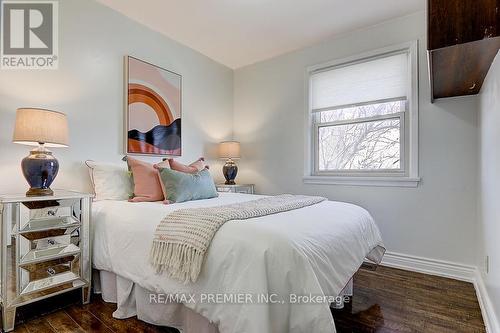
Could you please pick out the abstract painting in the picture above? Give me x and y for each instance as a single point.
(153, 109)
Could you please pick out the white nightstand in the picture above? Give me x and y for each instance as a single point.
(237, 188)
(44, 249)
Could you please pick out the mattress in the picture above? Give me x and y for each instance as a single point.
(274, 273)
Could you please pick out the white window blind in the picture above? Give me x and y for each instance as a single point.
(379, 79)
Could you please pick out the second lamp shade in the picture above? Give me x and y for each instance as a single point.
(229, 149)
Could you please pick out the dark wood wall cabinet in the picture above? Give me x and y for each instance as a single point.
(463, 37)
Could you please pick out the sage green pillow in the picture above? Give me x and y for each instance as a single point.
(180, 186)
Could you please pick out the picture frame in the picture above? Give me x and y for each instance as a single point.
(153, 109)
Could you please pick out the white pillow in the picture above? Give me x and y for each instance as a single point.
(110, 181)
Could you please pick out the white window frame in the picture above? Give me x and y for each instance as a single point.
(407, 175)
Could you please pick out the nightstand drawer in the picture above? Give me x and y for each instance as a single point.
(49, 244)
(39, 215)
(247, 190)
(43, 275)
(237, 188)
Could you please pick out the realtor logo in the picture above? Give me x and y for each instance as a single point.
(29, 33)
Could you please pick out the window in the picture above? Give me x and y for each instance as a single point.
(363, 116)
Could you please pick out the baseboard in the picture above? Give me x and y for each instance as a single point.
(491, 321)
(449, 270)
(430, 266)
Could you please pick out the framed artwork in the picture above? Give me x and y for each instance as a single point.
(153, 109)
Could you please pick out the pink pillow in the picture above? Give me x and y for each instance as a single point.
(147, 186)
(163, 164)
(192, 168)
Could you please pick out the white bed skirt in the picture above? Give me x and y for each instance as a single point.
(133, 300)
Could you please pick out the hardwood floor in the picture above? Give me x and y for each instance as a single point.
(391, 300)
(385, 300)
(49, 317)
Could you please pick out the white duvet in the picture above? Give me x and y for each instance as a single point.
(309, 251)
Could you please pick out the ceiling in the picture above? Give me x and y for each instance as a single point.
(241, 32)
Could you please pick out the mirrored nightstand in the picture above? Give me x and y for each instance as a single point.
(238, 188)
(44, 249)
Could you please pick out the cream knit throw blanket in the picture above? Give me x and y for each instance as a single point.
(182, 238)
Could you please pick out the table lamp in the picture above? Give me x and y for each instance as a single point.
(42, 128)
(229, 150)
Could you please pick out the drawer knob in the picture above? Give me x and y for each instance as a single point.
(51, 271)
(51, 213)
(51, 242)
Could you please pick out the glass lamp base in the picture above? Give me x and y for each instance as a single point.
(40, 169)
(230, 170)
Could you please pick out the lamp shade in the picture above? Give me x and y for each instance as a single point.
(39, 125)
(229, 149)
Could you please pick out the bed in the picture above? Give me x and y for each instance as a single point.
(269, 274)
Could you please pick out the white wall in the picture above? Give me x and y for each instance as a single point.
(89, 88)
(489, 183)
(435, 220)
